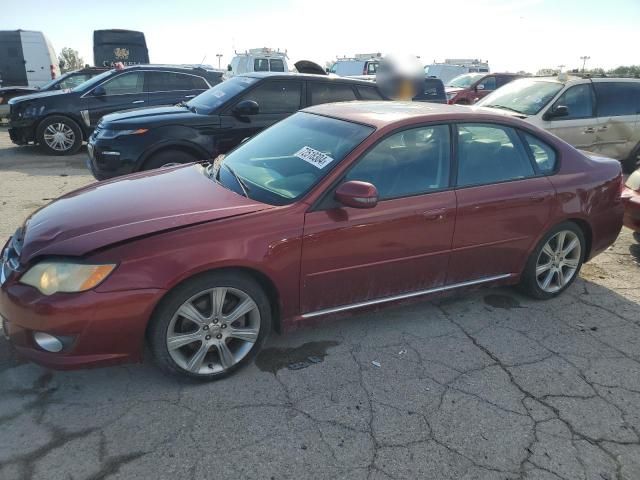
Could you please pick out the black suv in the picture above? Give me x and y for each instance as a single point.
(213, 122)
(60, 120)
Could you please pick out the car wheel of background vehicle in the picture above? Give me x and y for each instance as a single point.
(210, 326)
(168, 158)
(555, 263)
(59, 135)
(632, 162)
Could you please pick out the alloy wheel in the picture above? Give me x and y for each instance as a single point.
(213, 330)
(558, 261)
(59, 137)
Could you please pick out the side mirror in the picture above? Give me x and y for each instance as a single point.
(479, 87)
(99, 91)
(357, 194)
(229, 68)
(246, 108)
(556, 112)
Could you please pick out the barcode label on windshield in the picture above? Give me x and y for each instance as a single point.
(314, 157)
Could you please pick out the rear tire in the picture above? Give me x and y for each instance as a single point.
(58, 135)
(194, 332)
(555, 263)
(168, 158)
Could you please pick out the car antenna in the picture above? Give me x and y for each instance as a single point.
(202, 61)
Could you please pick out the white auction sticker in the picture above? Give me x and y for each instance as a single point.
(314, 157)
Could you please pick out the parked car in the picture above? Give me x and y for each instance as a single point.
(60, 120)
(68, 80)
(335, 209)
(212, 123)
(26, 59)
(258, 60)
(600, 115)
(359, 65)
(448, 71)
(631, 200)
(469, 88)
(434, 91)
(128, 47)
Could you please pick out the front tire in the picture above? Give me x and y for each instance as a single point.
(555, 263)
(168, 158)
(210, 326)
(58, 135)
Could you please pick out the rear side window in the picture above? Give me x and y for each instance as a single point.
(126, 83)
(369, 93)
(170, 81)
(503, 80)
(490, 154)
(617, 99)
(325, 92)
(276, 65)
(579, 100)
(276, 97)
(543, 154)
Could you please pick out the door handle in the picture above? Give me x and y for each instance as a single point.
(138, 101)
(436, 215)
(589, 130)
(189, 96)
(537, 198)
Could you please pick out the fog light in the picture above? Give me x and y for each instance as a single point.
(48, 342)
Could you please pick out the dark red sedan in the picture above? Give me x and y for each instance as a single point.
(338, 208)
(631, 201)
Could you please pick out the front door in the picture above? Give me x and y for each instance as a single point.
(276, 100)
(579, 128)
(401, 245)
(484, 87)
(122, 92)
(504, 202)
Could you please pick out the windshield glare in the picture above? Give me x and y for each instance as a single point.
(286, 160)
(525, 96)
(464, 81)
(211, 99)
(92, 82)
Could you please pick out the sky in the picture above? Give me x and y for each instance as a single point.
(512, 35)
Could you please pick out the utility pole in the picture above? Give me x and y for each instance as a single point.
(584, 61)
(561, 67)
(219, 55)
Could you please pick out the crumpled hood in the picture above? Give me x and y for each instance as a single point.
(104, 213)
(152, 116)
(38, 94)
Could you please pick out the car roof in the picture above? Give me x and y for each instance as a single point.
(177, 68)
(382, 113)
(305, 76)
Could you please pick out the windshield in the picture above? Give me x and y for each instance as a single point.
(464, 81)
(524, 96)
(51, 83)
(211, 99)
(92, 82)
(286, 160)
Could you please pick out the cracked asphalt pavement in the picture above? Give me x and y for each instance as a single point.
(486, 386)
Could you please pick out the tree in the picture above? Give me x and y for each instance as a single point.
(70, 60)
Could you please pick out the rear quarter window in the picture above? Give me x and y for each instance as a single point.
(543, 154)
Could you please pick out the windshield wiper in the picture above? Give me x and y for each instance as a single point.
(243, 186)
(504, 107)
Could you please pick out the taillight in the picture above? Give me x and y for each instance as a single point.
(52, 69)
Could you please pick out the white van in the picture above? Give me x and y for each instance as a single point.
(26, 59)
(361, 64)
(600, 115)
(258, 60)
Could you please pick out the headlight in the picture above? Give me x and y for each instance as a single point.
(50, 277)
(110, 134)
(32, 111)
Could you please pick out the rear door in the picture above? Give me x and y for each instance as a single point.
(401, 245)
(36, 57)
(618, 110)
(504, 202)
(122, 92)
(169, 88)
(276, 99)
(580, 126)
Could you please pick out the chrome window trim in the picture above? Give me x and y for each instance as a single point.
(402, 296)
(140, 70)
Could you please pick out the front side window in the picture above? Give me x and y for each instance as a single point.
(579, 101)
(74, 80)
(490, 154)
(488, 83)
(543, 154)
(276, 65)
(276, 97)
(372, 68)
(325, 92)
(286, 160)
(411, 162)
(617, 98)
(127, 83)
